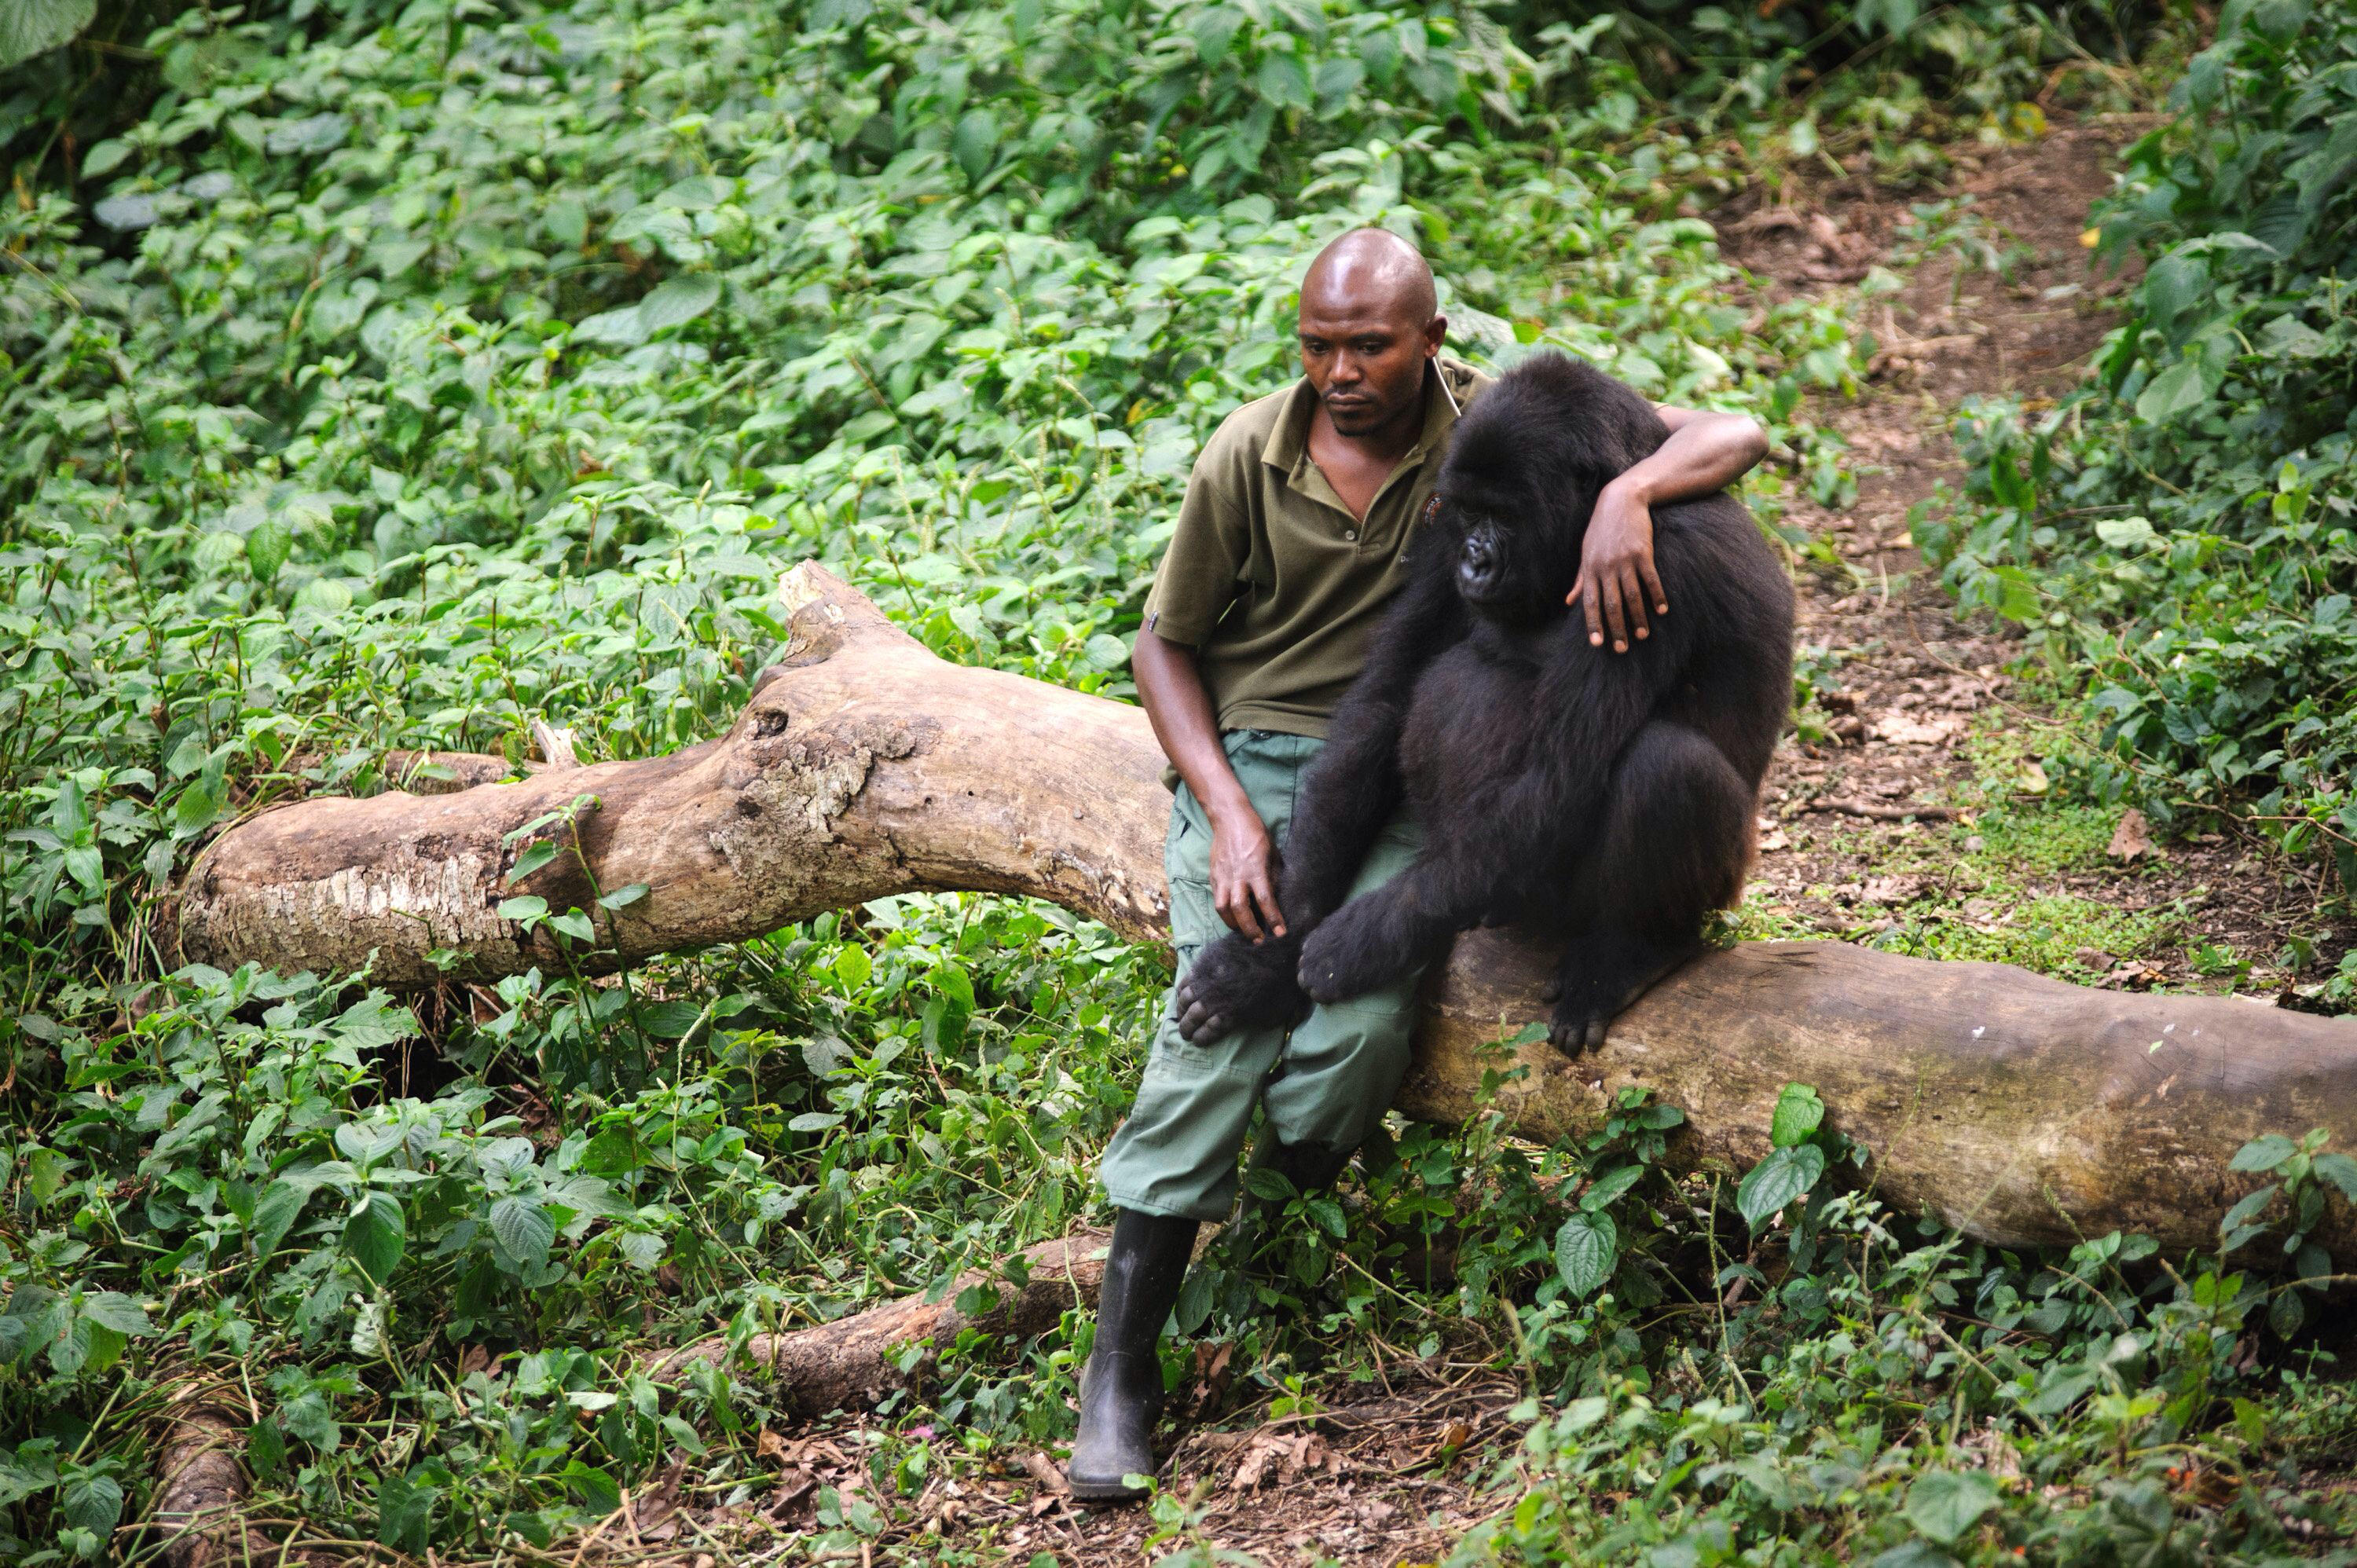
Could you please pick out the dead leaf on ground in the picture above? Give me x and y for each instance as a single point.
(1281, 1456)
(1045, 1471)
(1907, 729)
(1891, 892)
(2132, 839)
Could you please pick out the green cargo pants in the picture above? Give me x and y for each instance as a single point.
(1328, 1080)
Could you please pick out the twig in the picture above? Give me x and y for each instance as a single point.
(1884, 814)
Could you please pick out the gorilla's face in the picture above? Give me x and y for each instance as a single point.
(1510, 568)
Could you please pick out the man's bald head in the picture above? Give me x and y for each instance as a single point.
(1371, 323)
(1372, 270)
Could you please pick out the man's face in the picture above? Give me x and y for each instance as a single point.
(1366, 359)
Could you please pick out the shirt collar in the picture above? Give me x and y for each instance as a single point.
(1446, 381)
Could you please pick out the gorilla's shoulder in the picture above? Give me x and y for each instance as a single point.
(1553, 403)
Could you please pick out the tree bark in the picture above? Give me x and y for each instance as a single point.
(2020, 1108)
(200, 1484)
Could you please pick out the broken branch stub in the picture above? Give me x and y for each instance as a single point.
(2020, 1109)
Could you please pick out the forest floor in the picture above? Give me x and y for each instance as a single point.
(1915, 821)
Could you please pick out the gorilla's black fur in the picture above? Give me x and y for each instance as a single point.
(1605, 798)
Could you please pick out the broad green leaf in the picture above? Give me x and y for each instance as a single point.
(678, 301)
(274, 1212)
(974, 142)
(1944, 1504)
(623, 329)
(376, 1236)
(105, 158)
(1585, 1248)
(815, 1122)
(533, 857)
(2264, 1152)
(28, 27)
(117, 1311)
(1798, 1113)
(1195, 1299)
(267, 547)
(2341, 1171)
(197, 805)
(2175, 287)
(404, 1511)
(669, 1020)
(522, 1229)
(1784, 1175)
(573, 923)
(2240, 1217)
(1283, 79)
(599, 1492)
(1607, 1188)
(2176, 390)
(92, 1500)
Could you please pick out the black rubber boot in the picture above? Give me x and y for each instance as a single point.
(1121, 1390)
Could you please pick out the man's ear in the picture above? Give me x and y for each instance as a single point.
(1435, 332)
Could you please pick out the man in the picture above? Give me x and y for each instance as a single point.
(1290, 541)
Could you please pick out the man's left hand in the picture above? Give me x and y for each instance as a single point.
(1617, 583)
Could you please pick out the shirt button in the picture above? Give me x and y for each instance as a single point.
(1352, 534)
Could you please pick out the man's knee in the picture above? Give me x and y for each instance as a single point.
(1342, 1067)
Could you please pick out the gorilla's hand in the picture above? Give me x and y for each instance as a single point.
(1351, 952)
(1238, 984)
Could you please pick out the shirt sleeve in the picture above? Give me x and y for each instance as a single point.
(1203, 567)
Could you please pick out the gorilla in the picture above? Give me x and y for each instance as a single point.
(1606, 800)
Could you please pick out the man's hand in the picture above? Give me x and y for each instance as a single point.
(1243, 875)
(1617, 583)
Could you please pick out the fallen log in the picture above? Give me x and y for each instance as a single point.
(2022, 1110)
(854, 1361)
(199, 1486)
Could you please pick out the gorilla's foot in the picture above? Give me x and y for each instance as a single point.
(1239, 984)
(1351, 952)
(1596, 986)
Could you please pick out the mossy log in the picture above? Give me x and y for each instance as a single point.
(2021, 1110)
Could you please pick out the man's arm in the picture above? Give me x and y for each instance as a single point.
(1706, 452)
(1243, 859)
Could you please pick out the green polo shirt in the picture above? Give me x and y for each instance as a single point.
(1268, 576)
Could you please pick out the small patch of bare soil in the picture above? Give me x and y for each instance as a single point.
(2013, 307)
